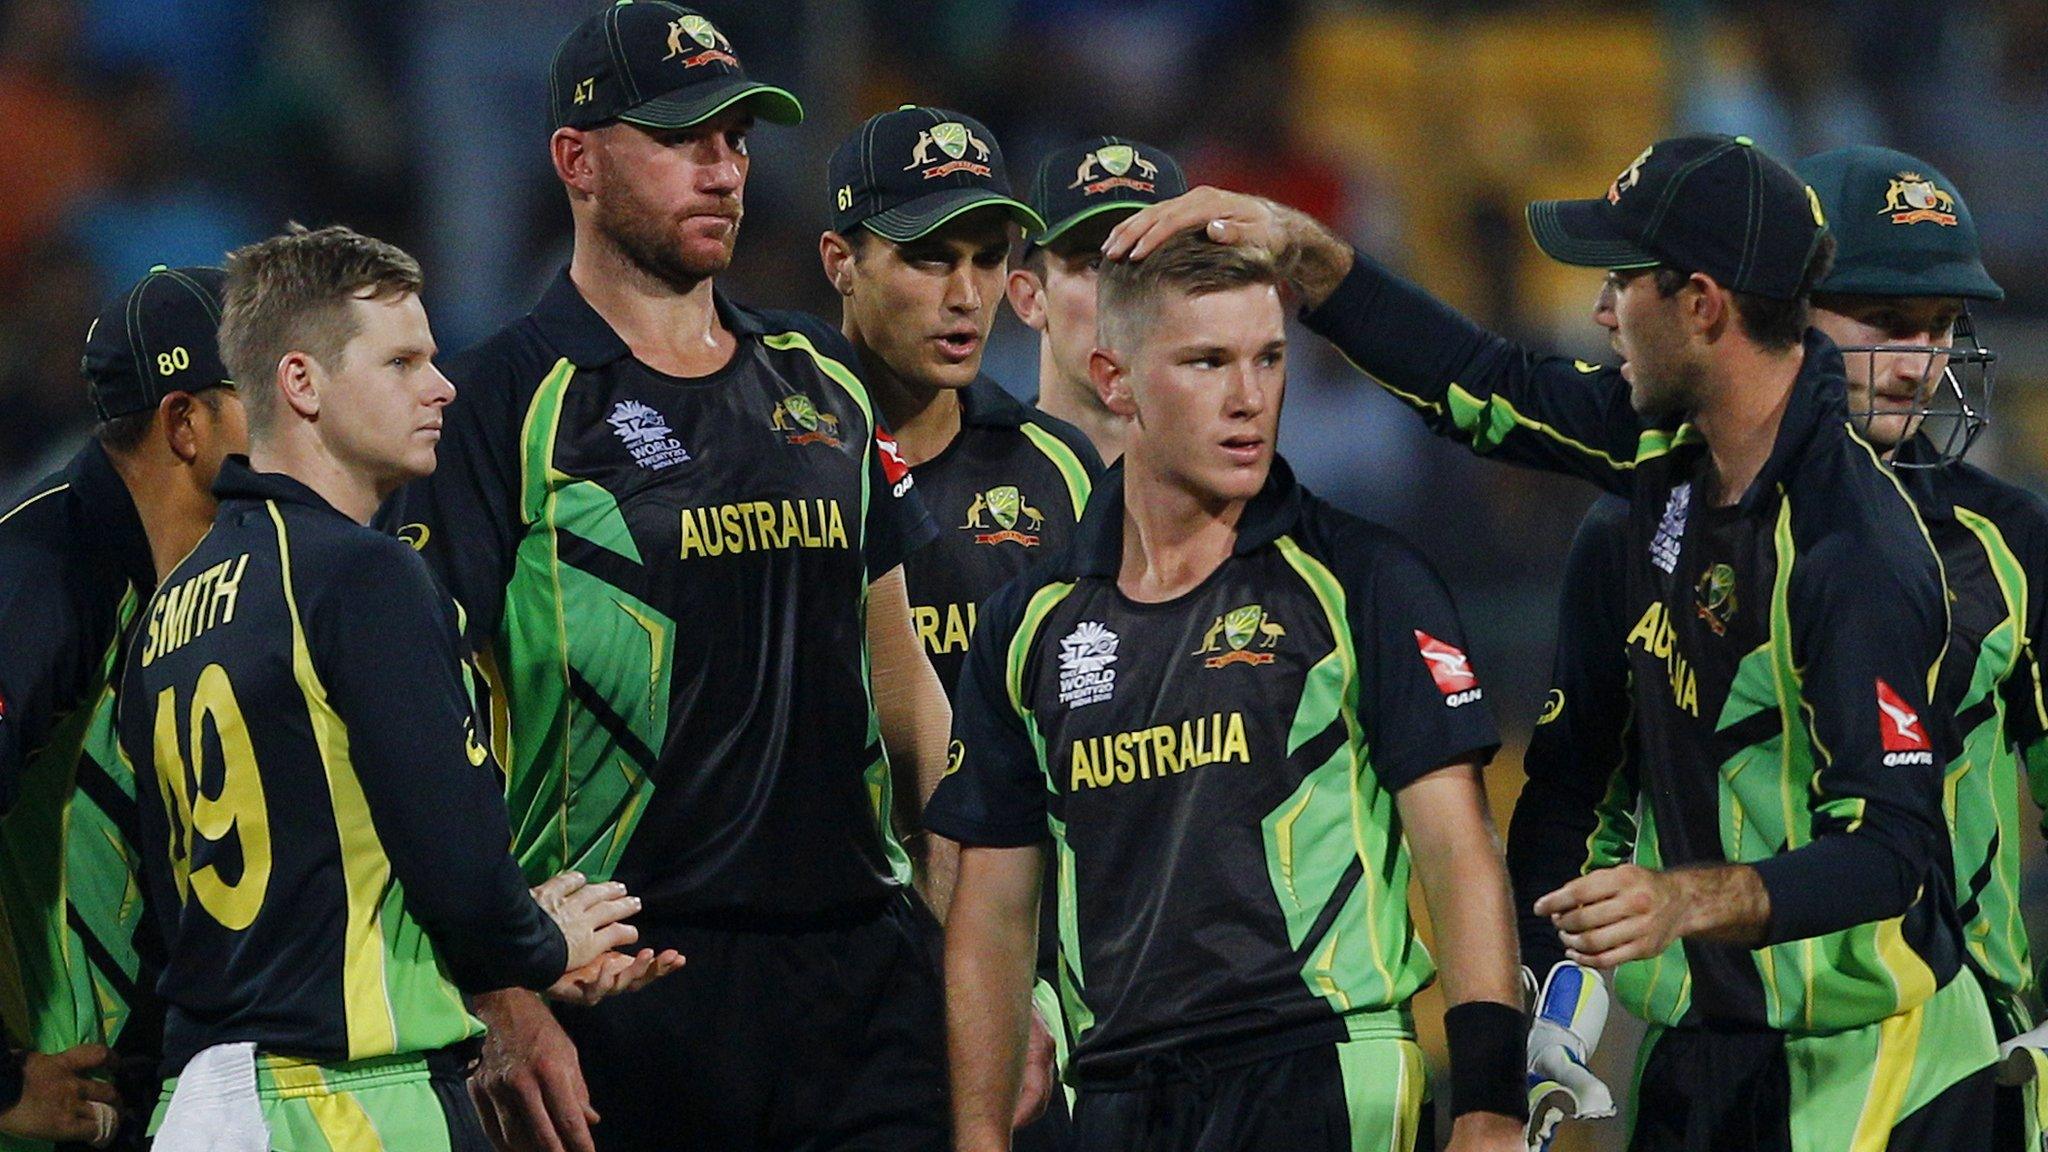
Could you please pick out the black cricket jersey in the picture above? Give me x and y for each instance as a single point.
(325, 842)
(1008, 490)
(670, 577)
(1783, 652)
(1217, 774)
(1576, 812)
(74, 565)
(1993, 538)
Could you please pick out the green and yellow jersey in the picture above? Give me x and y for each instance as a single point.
(1217, 774)
(74, 968)
(671, 577)
(323, 836)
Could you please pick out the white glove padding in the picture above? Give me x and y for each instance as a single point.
(1571, 1013)
(2020, 1058)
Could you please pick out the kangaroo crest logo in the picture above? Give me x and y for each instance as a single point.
(803, 422)
(1006, 504)
(1629, 178)
(646, 435)
(1913, 198)
(1232, 635)
(1114, 159)
(1714, 597)
(715, 47)
(953, 139)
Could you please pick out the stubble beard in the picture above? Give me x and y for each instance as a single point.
(648, 242)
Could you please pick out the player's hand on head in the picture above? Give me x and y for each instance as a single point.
(529, 1086)
(62, 1102)
(591, 916)
(1226, 217)
(614, 973)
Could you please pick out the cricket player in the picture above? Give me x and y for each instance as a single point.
(322, 834)
(921, 264)
(78, 555)
(1786, 920)
(678, 525)
(1895, 302)
(1081, 191)
(1237, 714)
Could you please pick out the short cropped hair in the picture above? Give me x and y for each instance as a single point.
(1778, 325)
(1128, 292)
(290, 293)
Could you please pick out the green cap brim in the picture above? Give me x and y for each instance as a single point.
(1578, 232)
(907, 222)
(1957, 279)
(1054, 232)
(686, 107)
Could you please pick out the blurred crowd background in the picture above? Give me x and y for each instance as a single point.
(139, 132)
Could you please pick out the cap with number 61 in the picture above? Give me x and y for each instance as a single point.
(160, 336)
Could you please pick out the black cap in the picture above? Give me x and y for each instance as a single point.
(656, 65)
(1901, 228)
(1098, 175)
(159, 337)
(904, 173)
(1713, 204)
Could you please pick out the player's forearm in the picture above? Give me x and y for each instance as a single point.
(1316, 258)
(988, 1014)
(1465, 885)
(1721, 904)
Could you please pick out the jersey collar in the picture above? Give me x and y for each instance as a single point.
(105, 498)
(987, 404)
(238, 481)
(1819, 396)
(1098, 548)
(573, 328)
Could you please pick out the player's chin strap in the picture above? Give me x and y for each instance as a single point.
(1571, 1013)
(2023, 1057)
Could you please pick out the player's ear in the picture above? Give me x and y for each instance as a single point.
(175, 423)
(1709, 308)
(1027, 297)
(836, 253)
(575, 164)
(298, 379)
(1112, 380)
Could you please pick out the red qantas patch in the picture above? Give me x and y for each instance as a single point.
(1899, 725)
(1448, 666)
(894, 466)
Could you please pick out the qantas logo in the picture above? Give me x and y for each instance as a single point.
(1450, 668)
(1905, 738)
(895, 469)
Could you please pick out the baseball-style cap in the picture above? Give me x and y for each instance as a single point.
(656, 65)
(159, 337)
(1713, 204)
(1901, 228)
(904, 173)
(1099, 175)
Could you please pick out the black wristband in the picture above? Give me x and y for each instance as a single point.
(1489, 1058)
(11, 1077)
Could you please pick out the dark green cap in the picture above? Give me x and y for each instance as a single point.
(1901, 228)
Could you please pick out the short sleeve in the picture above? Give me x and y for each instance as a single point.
(993, 794)
(897, 522)
(1423, 705)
